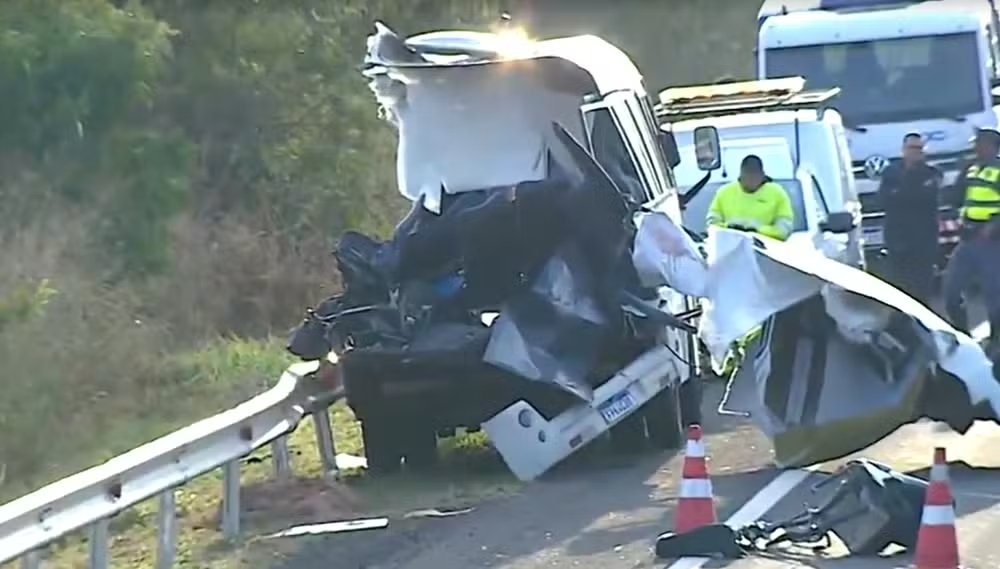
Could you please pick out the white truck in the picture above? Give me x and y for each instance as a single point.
(907, 66)
(476, 331)
(801, 141)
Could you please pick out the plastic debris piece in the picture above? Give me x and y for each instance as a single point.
(333, 527)
(351, 462)
(436, 513)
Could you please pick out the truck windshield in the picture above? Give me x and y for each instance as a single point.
(892, 80)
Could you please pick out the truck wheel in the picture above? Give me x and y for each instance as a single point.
(383, 443)
(690, 396)
(663, 419)
(420, 450)
(629, 436)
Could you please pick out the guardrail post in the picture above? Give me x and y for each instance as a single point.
(31, 560)
(231, 500)
(324, 442)
(166, 540)
(99, 544)
(281, 459)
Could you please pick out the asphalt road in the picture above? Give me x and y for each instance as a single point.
(589, 518)
(585, 517)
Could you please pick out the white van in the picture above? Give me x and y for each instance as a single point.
(808, 204)
(813, 135)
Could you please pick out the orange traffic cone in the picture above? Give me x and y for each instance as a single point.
(696, 505)
(937, 541)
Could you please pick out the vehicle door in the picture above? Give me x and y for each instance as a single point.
(644, 176)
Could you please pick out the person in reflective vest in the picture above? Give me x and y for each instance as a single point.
(976, 260)
(753, 203)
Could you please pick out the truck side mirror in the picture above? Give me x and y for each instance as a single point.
(706, 148)
(668, 144)
(838, 222)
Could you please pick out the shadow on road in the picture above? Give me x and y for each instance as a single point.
(599, 504)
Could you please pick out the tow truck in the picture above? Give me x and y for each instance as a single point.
(799, 136)
(924, 66)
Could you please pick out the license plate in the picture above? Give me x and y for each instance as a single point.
(616, 407)
(872, 236)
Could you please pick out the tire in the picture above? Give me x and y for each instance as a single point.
(383, 445)
(690, 394)
(663, 419)
(629, 436)
(419, 448)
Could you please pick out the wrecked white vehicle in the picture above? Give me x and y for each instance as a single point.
(844, 358)
(507, 297)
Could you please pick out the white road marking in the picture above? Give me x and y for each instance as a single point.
(754, 509)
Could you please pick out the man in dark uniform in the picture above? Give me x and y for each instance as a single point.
(909, 193)
(976, 260)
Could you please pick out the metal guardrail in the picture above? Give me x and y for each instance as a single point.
(91, 498)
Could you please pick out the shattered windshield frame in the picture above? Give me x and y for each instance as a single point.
(891, 80)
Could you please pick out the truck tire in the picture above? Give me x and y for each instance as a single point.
(690, 399)
(393, 442)
(663, 419)
(383, 444)
(419, 448)
(629, 436)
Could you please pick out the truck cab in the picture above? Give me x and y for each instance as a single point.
(800, 139)
(482, 115)
(811, 231)
(924, 66)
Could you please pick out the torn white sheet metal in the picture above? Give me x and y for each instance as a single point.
(664, 255)
(843, 358)
(743, 291)
(498, 106)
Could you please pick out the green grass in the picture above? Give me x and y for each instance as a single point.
(472, 473)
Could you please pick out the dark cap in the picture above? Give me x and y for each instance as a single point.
(752, 164)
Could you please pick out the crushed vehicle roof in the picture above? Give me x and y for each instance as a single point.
(610, 68)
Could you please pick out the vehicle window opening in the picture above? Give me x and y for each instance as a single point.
(609, 150)
(891, 80)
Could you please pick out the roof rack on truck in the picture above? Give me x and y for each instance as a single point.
(705, 101)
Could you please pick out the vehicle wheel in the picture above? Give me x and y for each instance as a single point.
(629, 436)
(420, 449)
(384, 444)
(690, 396)
(663, 419)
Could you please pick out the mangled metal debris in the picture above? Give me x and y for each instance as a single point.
(843, 358)
(870, 508)
(510, 281)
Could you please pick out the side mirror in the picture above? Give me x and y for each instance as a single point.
(838, 222)
(706, 148)
(668, 144)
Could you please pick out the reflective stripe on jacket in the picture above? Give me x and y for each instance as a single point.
(767, 211)
(982, 192)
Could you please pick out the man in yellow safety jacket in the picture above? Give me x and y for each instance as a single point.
(976, 260)
(753, 203)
